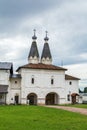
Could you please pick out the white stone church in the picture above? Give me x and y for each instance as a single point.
(38, 81)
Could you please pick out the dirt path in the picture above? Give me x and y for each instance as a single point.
(72, 109)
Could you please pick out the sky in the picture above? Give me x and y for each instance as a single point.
(65, 21)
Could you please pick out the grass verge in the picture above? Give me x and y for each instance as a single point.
(40, 118)
(76, 105)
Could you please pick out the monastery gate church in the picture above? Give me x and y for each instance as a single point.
(38, 82)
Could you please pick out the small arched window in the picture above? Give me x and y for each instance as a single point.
(15, 82)
(52, 80)
(70, 83)
(32, 79)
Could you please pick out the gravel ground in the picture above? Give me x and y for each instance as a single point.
(72, 109)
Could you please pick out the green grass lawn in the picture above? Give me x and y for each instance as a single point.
(40, 118)
(76, 105)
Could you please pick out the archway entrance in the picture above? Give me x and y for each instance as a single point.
(74, 97)
(32, 99)
(51, 99)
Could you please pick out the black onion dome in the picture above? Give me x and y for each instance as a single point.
(34, 37)
(46, 38)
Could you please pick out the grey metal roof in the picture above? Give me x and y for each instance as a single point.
(46, 51)
(15, 76)
(34, 50)
(6, 65)
(3, 88)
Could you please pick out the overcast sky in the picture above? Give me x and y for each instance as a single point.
(65, 20)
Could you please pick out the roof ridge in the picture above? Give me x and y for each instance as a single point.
(41, 66)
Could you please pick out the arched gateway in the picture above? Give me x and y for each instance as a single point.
(51, 98)
(32, 99)
(74, 98)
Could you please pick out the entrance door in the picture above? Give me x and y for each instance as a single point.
(32, 97)
(16, 99)
(31, 102)
(74, 98)
(51, 99)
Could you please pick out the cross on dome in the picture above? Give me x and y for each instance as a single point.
(46, 33)
(46, 38)
(34, 37)
(34, 31)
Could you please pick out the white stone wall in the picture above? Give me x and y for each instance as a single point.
(42, 85)
(73, 88)
(46, 61)
(33, 60)
(4, 77)
(4, 80)
(15, 89)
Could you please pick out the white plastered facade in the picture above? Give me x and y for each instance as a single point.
(42, 86)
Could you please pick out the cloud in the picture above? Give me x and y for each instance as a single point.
(80, 71)
(65, 21)
(13, 12)
(20, 8)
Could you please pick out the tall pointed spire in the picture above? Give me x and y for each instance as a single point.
(46, 57)
(33, 56)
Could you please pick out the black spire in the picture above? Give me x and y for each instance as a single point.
(33, 50)
(46, 50)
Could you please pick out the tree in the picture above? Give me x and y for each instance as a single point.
(80, 91)
(85, 90)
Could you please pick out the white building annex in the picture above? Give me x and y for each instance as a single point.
(37, 82)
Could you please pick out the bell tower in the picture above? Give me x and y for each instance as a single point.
(33, 56)
(46, 57)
